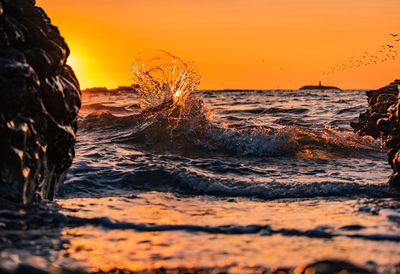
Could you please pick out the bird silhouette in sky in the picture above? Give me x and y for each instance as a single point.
(386, 52)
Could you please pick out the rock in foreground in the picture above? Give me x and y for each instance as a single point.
(39, 102)
(382, 120)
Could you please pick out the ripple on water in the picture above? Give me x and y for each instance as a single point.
(236, 232)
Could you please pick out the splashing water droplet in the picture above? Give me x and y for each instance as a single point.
(163, 78)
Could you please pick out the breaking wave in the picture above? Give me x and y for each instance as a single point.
(188, 127)
(172, 119)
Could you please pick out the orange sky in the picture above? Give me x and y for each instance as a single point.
(248, 44)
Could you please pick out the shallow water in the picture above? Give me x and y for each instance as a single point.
(237, 179)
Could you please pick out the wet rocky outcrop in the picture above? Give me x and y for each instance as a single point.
(39, 102)
(382, 120)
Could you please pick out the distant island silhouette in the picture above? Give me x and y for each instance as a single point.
(132, 88)
(319, 87)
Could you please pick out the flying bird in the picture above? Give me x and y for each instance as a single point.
(386, 53)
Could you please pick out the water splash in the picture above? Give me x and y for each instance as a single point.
(163, 78)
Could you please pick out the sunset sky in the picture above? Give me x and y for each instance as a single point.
(243, 44)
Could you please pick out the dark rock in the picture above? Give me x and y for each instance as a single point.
(39, 102)
(382, 120)
(332, 266)
(24, 268)
(379, 102)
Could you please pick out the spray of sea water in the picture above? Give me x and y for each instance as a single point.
(163, 78)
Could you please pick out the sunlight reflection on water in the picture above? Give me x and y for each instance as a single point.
(97, 248)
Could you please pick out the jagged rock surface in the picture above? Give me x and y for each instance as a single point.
(382, 120)
(39, 102)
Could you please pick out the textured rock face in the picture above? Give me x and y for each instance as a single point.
(382, 120)
(39, 102)
(378, 103)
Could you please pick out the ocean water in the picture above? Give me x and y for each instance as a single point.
(238, 180)
(246, 179)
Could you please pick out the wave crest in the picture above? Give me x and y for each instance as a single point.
(172, 119)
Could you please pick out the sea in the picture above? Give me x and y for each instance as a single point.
(226, 181)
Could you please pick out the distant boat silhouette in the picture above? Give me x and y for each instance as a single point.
(319, 87)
